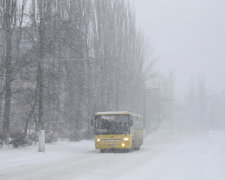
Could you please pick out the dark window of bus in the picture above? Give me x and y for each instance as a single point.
(111, 124)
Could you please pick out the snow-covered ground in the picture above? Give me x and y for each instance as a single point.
(162, 157)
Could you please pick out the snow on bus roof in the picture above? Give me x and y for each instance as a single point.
(115, 112)
(112, 112)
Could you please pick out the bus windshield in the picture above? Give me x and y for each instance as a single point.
(111, 124)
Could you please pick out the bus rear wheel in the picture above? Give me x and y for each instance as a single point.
(136, 145)
(102, 150)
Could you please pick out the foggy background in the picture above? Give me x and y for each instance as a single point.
(188, 39)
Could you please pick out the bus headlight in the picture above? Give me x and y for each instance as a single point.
(98, 140)
(126, 139)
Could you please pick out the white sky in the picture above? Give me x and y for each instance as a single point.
(188, 37)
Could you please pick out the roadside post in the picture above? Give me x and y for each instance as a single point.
(41, 141)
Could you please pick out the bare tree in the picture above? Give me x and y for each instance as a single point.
(85, 56)
(10, 20)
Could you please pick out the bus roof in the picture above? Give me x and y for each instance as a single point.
(116, 113)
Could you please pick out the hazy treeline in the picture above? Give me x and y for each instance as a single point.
(63, 60)
(203, 110)
(199, 110)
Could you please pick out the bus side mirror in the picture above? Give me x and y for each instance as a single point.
(130, 122)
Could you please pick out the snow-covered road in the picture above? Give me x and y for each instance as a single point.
(162, 157)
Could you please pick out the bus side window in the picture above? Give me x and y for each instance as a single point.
(142, 123)
(135, 122)
(138, 122)
(131, 121)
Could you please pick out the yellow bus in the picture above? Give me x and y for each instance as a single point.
(118, 130)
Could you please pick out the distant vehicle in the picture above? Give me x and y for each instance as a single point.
(118, 130)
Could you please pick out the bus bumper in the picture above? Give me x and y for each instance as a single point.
(113, 142)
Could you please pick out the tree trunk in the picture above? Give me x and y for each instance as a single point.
(7, 106)
(40, 96)
(40, 69)
(8, 71)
